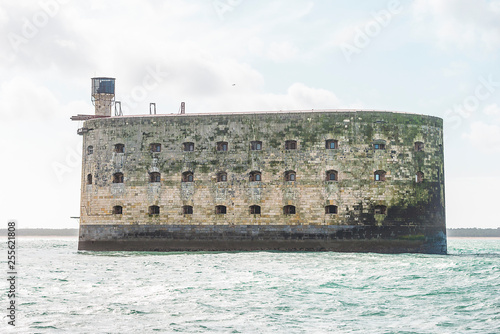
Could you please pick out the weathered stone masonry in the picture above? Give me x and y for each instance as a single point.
(386, 193)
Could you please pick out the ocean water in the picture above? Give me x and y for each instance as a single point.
(62, 290)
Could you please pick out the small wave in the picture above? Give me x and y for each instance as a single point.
(44, 327)
(259, 292)
(494, 255)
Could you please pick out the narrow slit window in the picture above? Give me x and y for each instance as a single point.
(290, 145)
(188, 147)
(154, 210)
(290, 175)
(332, 144)
(154, 177)
(256, 145)
(289, 210)
(187, 177)
(379, 175)
(380, 210)
(118, 178)
(187, 210)
(222, 146)
(419, 178)
(331, 210)
(255, 210)
(90, 150)
(155, 147)
(119, 148)
(332, 175)
(419, 146)
(220, 210)
(117, 210)
(222, 177)
(89, 179)
(255, 176)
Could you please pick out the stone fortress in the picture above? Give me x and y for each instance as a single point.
(339, 180)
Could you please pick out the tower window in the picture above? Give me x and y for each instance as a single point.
(154, 177)
(255, 210)
(379, 146)
(221, 177)
(379, 175)
(289, 210)
(90, 150)
(154, 210)
(290, 175)
(222, 146)
(188, 147)
(290, 145)
(187, 177)
(256, 145)
(89, 179)
(332, 175)
(220, 210)
(419, 178)
(380, 210)
(255, 176)
(332, 144)
(119, 148)
(155, 147)
(187, 210)
(419, 146)
(118, 178)
(117, 210)
(331, 210)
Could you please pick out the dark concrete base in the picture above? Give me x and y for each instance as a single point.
(165, 238)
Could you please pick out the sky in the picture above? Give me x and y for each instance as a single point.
(434, 57)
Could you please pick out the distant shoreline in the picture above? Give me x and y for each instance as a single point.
(473, 232)
(73, 232)
(477, 238)
(43, 232)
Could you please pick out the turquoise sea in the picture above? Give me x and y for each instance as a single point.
(62, 290)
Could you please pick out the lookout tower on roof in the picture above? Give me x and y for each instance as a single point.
(103, 95)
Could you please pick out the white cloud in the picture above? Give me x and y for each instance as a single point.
(201, 56)
(478, 195)
(281, 51)
(459, 23)
(297, 97)
(456, 68)
(275, 51)
(293, 11)
(307, 97)
(347, 33)
(492, 109)
(4, 18)
(485, 137)
(255, 46)
(20, 98)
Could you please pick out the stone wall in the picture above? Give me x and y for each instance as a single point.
(359, 198)
(339, 238)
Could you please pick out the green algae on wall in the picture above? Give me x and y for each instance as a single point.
(356, 194)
